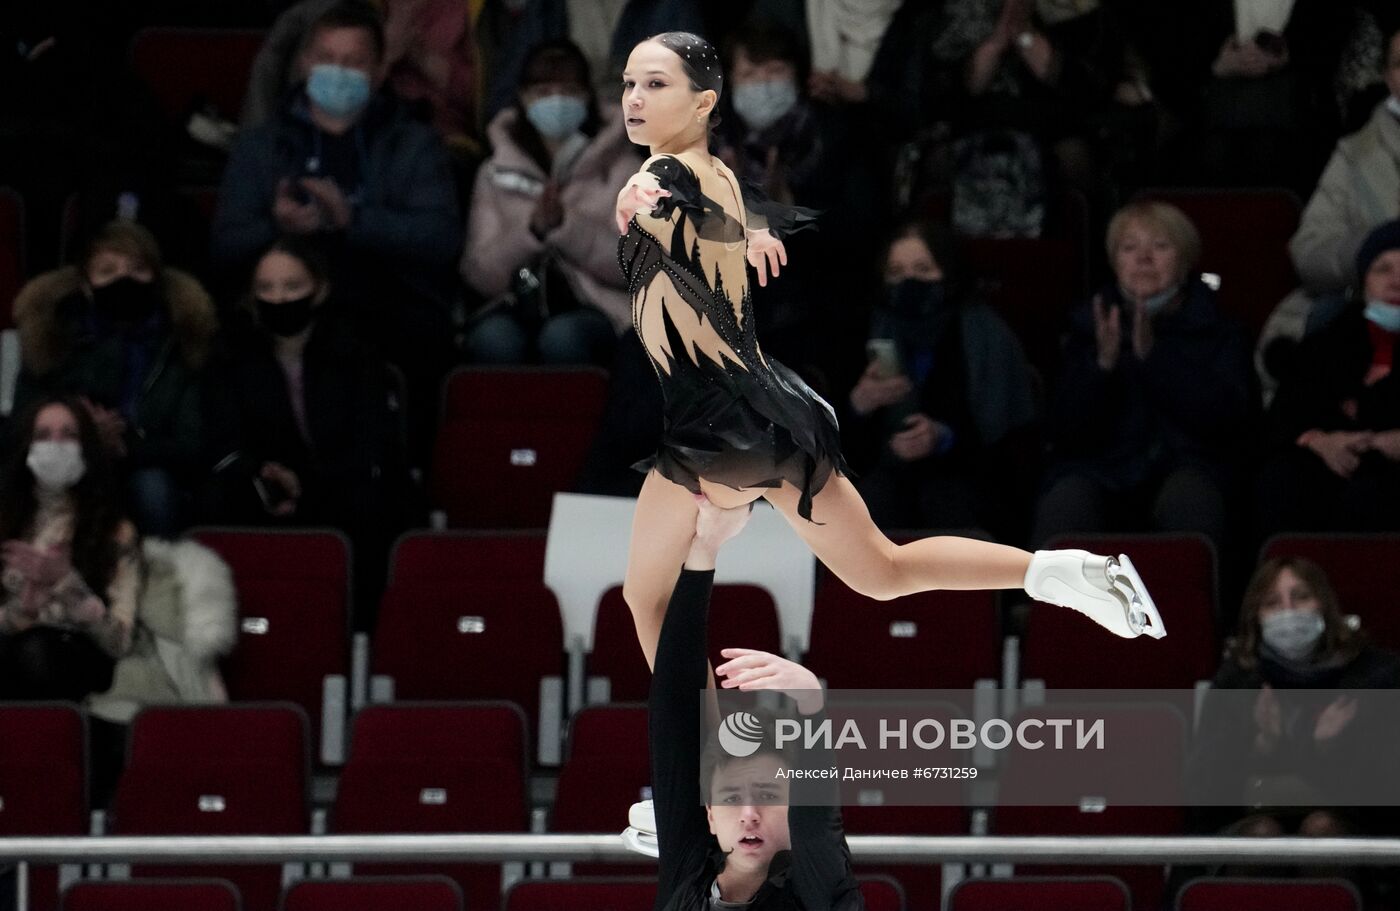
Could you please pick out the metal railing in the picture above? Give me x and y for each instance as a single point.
(1057, 849)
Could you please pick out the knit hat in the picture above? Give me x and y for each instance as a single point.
(1386, 237)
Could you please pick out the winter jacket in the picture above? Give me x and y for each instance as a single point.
(1359, 190)
(1323, 386)
(405, 217)
(1186, 403)
(185, 620)
(353, 465)
(63, 349)
(508, 186)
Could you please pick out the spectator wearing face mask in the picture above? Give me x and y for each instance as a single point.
(303, 427)
(1155, 392)
(935, 418)
(71, 574)
(540, 247)
(1267, 758)
(1335, 463)
(345, 165)
(131, 336)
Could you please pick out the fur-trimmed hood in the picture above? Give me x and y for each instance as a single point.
(45, 341)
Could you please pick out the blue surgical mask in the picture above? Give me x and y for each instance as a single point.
(340, 91)
(762, 104)
(1384, 315)
(557, 116)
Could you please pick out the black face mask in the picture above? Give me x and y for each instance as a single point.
(125, 300)
(287, 318)
(915, 300)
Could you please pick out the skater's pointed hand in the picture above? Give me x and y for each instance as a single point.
(748, 669)
(766, 253)
(641, 194)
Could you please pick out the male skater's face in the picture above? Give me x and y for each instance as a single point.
(748, 812)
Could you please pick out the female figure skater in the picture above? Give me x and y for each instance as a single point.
(739, 426)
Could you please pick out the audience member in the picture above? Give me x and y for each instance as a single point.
(71, 562)
(1155, 393)
(539, 244)
(343, 163)
(1359, 190)
(131, 336)
(1271, 762)
(302, 425)
(1335, 464)
(935, 418)
(769, 136)
(1264, 74)
(604, 30)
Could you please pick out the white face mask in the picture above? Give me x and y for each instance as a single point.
(57, 464)
(1294, 634)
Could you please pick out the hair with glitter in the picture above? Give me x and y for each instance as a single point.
(699, 59)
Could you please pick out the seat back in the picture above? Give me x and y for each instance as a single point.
(1226, 894)
(182, 67)
(510, 439)
(1042, 893)
(1180, 573)
(386, 893)
(741, 616)
(858, 642)
(294, 604)
(153, 895)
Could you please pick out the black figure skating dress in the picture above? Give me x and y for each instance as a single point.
(732, 416)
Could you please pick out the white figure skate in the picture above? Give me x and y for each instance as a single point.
(1107, 590)
(640, 834)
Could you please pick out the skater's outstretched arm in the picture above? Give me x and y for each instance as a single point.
(681, 671)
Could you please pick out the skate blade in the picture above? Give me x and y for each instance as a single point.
(1127, 586)
(640, 842)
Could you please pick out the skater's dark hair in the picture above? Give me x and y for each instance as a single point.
(699, 60)
(714, 758)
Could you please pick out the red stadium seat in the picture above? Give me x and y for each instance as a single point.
(607, 768)
(217, 770)
(469, 638)
(609, 893)
(1363, 571)
(294, 604)
(921, 884)
(153, 895)
(1069, 651)
(12, 267)
(450, 555)
(881, 893)
(43, 784)
(858, 642)
(1244, 240)
(1144, 767)
(387, 893)
(510, 439)
(1047, 893)
(182, 67)
(1268, 895)
(742, 616)
(436, 769)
